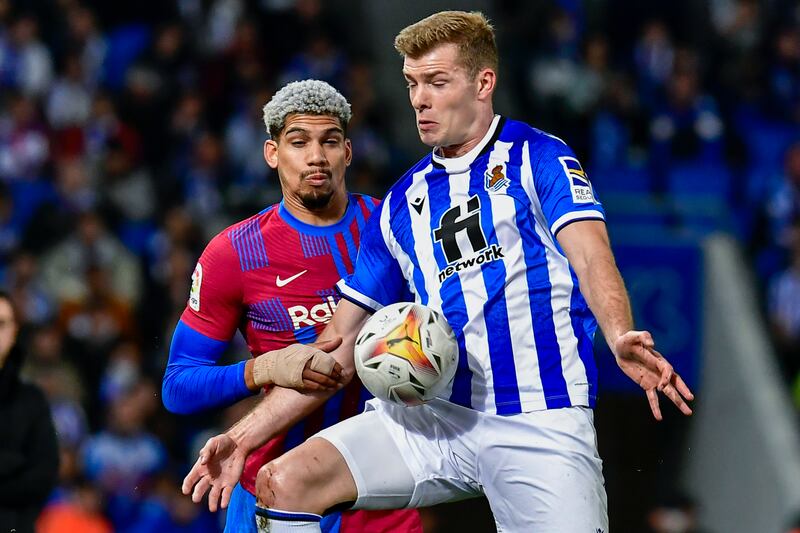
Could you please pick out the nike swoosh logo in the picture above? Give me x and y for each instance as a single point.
(283, 282)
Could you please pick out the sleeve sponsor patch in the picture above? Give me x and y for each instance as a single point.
(579, 184)
(197, 281)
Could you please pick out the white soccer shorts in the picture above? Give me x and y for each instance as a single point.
(540, 471)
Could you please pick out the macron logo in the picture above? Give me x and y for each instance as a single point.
(283, 282)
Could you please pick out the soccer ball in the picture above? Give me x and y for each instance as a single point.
(406, 353)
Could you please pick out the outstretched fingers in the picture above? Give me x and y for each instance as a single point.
(683, 388)
(191, 478)
(200, 489)
(226, 497)
(214, 497)
(652, 397)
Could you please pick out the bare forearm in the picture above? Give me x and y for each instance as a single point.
(282, 408)
(273, 415)
(588, 250)
(604, 291)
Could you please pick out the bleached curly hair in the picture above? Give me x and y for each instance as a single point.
(306, 97)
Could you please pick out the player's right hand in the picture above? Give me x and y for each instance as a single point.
(306, 367)
(218, 468)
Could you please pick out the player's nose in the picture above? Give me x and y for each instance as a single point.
(420, 98)
(316, 155)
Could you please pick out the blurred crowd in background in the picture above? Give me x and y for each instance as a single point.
(130, 135)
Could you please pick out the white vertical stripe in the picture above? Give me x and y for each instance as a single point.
(561, 281)
(394, 248)
(476, 336)
(423, 242)
(518, 306)
(421, 229)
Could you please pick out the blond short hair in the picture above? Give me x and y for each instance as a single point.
(470, 32)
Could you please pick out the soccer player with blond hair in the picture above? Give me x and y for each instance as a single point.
(516, 424)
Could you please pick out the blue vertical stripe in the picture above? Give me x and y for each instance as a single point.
(400, 219)
(306, 334)
(453, 305)
(295, 436)
(337, 256)
(313, 245)
(582, 319)
(548, 351)
(360, 220)
(369, 203)
(350, 243)
(495, 309)
(332, 409)
(248, 242)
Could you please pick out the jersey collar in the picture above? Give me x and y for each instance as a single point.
(460, 164)
(310, 229)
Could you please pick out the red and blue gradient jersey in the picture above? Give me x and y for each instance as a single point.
(271, 277)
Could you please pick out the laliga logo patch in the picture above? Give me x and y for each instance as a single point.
(197, 281)
(496, 179)
(580, 187)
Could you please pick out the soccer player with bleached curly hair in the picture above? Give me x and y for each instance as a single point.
(271, 276)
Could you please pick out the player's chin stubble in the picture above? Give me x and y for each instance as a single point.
(316, 200)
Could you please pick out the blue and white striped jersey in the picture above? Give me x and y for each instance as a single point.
(474, 237)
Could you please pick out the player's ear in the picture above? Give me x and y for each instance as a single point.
(271, 153)
(486, 81)
(348, 152)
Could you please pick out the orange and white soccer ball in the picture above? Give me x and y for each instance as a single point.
(406, 353)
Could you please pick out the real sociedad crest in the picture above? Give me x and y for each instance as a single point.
(495, 179)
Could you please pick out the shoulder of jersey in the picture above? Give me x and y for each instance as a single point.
(516, 131)
(367, 198)
(405, 180)
(266, 213)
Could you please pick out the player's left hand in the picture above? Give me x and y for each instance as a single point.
(304, 367)
(636, 355)
(217, 470)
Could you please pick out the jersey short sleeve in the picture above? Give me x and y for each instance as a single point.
(377, 280)
(565, 193)
(215, 299)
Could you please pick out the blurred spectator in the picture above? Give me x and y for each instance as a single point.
(320, 59)
(79, 510)
(24, 146)
(687, 126)
(784, 306)
(91, 246)
(244, 143)
(31, 63)
(124, 458)
(28, 448)
(69, 101)
(166, 510)
(654, 56)
(32, 301)
(619, 128)
(205, 180)
(783, 205)
(129, 198)
(675, 514)
(784, 73)
(48, 367)
(87, 42)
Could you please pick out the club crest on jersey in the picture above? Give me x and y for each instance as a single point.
(194, 293)
(495, 179)
(579, 184)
